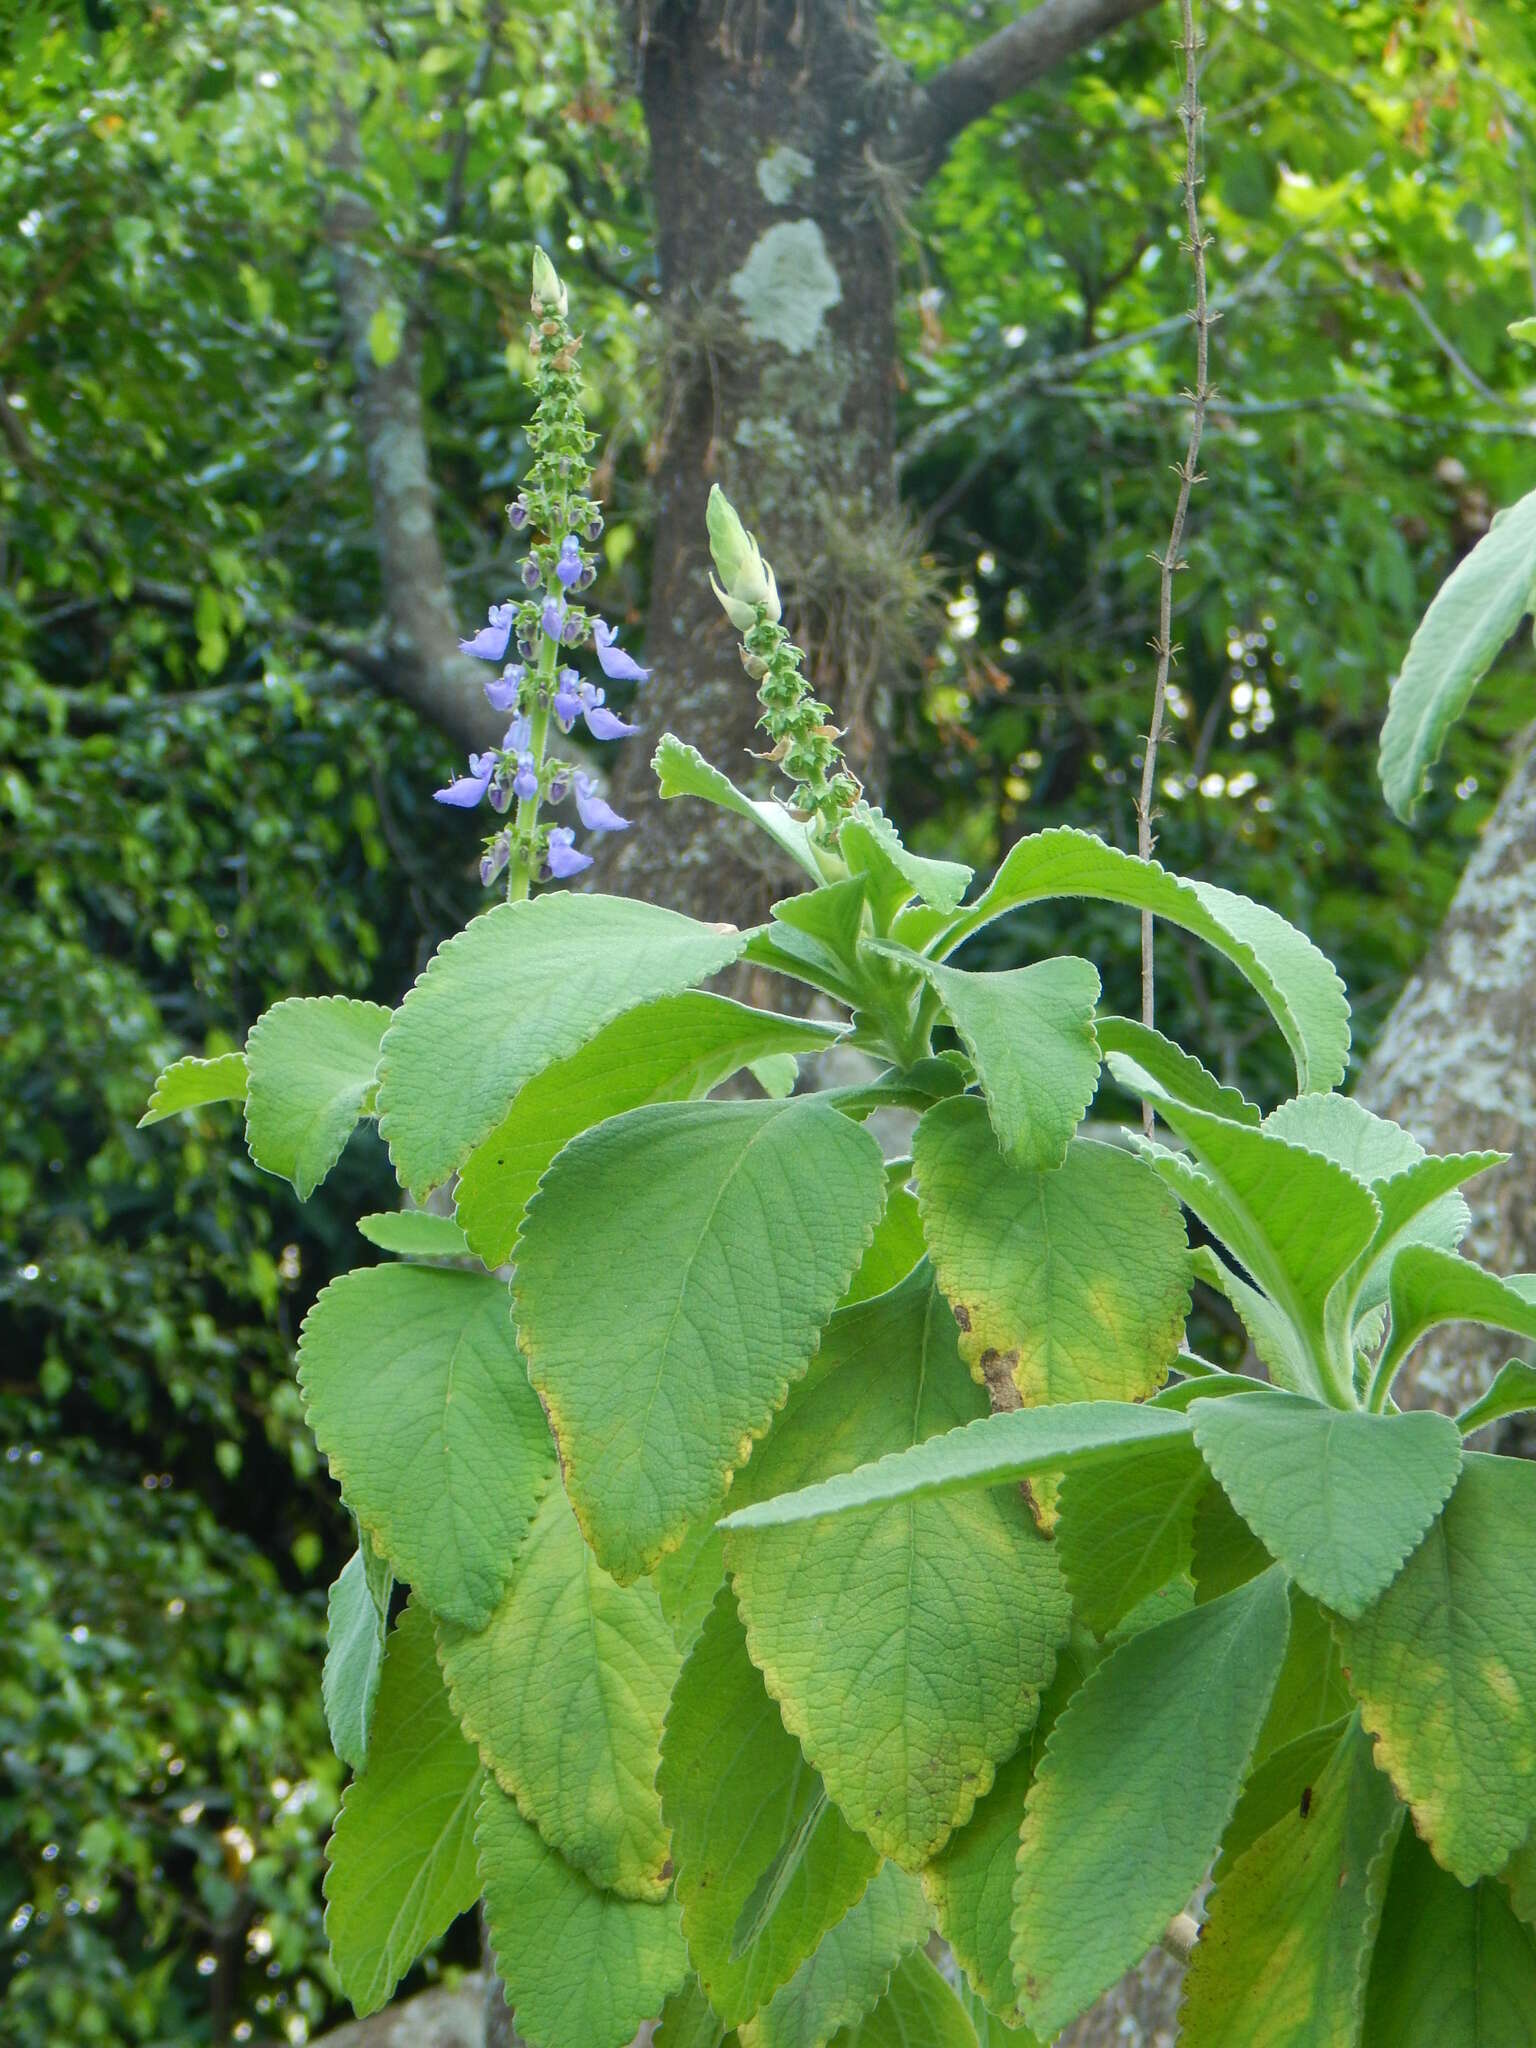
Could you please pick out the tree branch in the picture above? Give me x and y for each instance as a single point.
(423, 665)
(1003, 65)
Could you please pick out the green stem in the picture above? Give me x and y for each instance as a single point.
(526, 817)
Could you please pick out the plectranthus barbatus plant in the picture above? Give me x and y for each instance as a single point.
(544, 631)
(736, 1662)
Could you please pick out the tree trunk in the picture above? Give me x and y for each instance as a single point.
(770, 129)
(1455, 1065)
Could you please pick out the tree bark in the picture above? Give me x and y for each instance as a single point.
(1457, 1065)
(771, 128)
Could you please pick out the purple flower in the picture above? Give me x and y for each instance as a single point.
(525, 783)
(553, 619)
(602, 723)
(597, 814)
(562, 859)
(567, 704)
(495, 858)
(574, 629)
(469, 789)
(533, 575)
(504, 690)
(559, 789)
(518, 736)
(615, 664)
(517, 511)
(568, 567)
(490, 643)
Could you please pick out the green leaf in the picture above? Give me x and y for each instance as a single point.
(189, 1083)
(414, 1389)
(749, 1219)
(357, 1621)
(687, 2021)
(823, 927)
(682, 770)
(1444, 1667)
(1169, 1721)
(400, 1864)
(414, 1234)
(970, 1882)
(992, 2032)
(894, 1250)
(1293, 978)
(1370, 1147)
(1124, 1530)
(1029, 1031)
(737, 1794)
(1295, 1219)
(907, 1645)
(1067, 1285)
(1311, 1689)
(1513, 1392)
(1133, 1051)
(583, 1968)
(1277, 1786)
(524, 985)
(1471, 616)
(872, 846)
(990, 1452)
(1282, 1958)
(564, 1691)
(1453, 1964)
(672, 1050)
(849, 1971)
(312, 1061)
(1340, 1498)
(1430, 1287)
(918, 2011)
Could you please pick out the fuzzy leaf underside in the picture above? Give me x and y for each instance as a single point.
(735, 1792)
(416, 1394)
(1471, 616)
(1452, 1965)
(582, 1968)
(990, 1452)
(1339, 1497)
(850, 1969)
(1067, 1285)
(682, 770)
(674, 1049)
(311, 1063)
(1100, 1876)
(722, 1235)
(1029, 1031)
(1444, 1667)
(1295, 981)
(564, 1691)
(192, 1082)
(521, 986)
(1281, 1961)
(919, 2010)
(357, 1619)
(970, 1882)
(400, 1864)
(1123, 1531)
(414, 1234)
(907, 1645)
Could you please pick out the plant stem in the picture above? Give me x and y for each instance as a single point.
(526, 816)
(1169, 563)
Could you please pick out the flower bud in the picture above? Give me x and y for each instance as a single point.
(548, 292)
(747, 578)
(742, 616)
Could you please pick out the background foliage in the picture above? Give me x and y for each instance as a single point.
(199, 792)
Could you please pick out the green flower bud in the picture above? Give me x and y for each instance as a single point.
(548, 292)
(746, 576)
(742, 616)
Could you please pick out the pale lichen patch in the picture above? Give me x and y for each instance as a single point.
(787, 285)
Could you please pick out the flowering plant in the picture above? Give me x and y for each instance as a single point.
(813, 1549)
